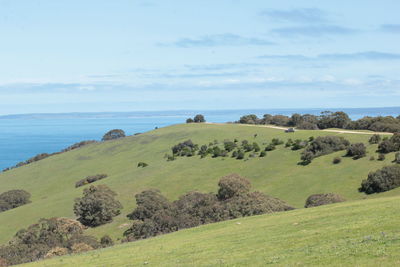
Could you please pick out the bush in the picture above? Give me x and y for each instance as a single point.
(186, 148)
(375, 139)
(249, 119)
(323, 145)
(106, 241)
(47, 238)
(240, 154)
(357, 151)
(372, 158)
(337, 160)
(142, 164)
(232, 185)
(97, 206)
(189, 120)
(390, 145)
(229, 145)
(232, 201)
(322, 199)
(382, 180)
(270, 147)
(299, 144)
(263, 154)
(90, 179)
(13, 199)
(113, 134)
(381, 157)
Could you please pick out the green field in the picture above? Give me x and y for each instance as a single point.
(51, 181)
(357, 233)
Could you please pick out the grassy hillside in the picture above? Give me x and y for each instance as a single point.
(359, 233)
(51, 181)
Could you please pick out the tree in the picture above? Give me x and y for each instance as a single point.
(249, 119)
(113, 134)
(199, 118)
(232, 185)
(375, 139)
(189, 120)
(148, 202)
(397, 158)
(357, 150)
(382, 180)
(97, 206)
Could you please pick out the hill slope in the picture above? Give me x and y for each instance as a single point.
(359, 233)
(51, 181)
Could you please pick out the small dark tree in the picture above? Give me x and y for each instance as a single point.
(240, 154)
(232, 185)
(375, 139)
(189, 120)
(149, 202)
(199, 118)
(337, 160)
(142, 164)
(97, 206)
(113, 134)
(106, 241)
(357, 151)
(263, 154)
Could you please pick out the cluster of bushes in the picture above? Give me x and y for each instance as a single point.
(237, 149)
(197, 119)
(97, 206)
(46, 155)
(381, 180)
(298, 144)
(113, 134)
(391, 144)
(323, 145)
(322, 199)
(90, 179)
(48, 238)
(13, 199)
(327, 119)
(155, 215)
(142, 164)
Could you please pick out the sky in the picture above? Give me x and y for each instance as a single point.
(120, 55)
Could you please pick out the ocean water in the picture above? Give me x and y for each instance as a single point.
(23, 136)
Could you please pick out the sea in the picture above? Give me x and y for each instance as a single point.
(26, 135)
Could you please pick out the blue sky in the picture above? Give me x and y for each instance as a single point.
(69, 56)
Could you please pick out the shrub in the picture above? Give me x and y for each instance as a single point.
(106, 241)
(381, 157)
(186, 148)
(232, 185)
(382, 180)
(357, 150)
(270, 147)
(263, 154)
(276, 141)
(189, 120)
(47, 238)
(13, 199)
(90, 179)
(199, 118)
(299, 144)
(337, 160)
(372, 158)
(249, 119)
(289, 143)
(81, 247)
(240, 154)
(142, 164)
(375, 139)
(229, 145)
(323, 145)
(256, 147)
(390, 145)
(232, 201)
(148, 203)
(113, 134)
(322, 199)
(97, 206)
(78, 145)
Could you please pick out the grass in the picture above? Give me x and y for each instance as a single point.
(357, 233)
(52, 181)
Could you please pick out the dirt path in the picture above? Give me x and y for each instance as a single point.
(326, 130)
